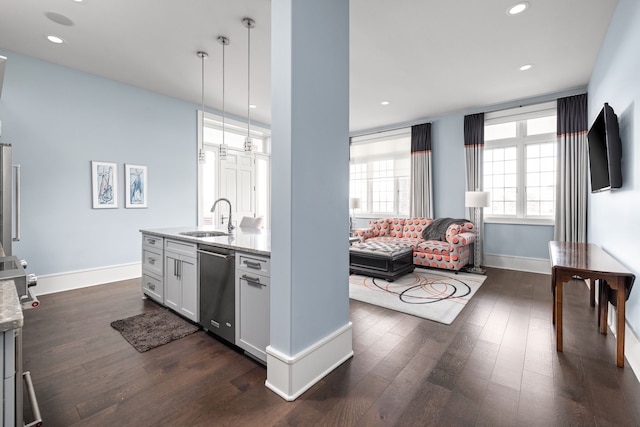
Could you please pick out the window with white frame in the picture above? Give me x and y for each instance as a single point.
(379, 170)
(520, 164)
(211, 181)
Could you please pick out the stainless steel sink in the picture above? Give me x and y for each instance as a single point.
(204, 233)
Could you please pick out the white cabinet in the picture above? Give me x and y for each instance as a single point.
(181, 278)
(252, 304)
(152, 267)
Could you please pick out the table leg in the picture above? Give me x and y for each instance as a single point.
(592, 291)
(553, 294)
(558, 312)
(603, 307)
(620, 326)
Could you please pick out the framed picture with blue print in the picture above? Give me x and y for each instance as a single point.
(136, 186)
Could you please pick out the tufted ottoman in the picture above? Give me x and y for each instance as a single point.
(385, 260)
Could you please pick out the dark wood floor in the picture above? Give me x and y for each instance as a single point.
(496, 365)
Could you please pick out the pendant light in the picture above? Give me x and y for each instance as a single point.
(224, 41)
(249, 23)
(201, 155)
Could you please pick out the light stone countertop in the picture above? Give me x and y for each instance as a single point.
(244, 240)
(10, 308)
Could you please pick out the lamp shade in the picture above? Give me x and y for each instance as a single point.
(476, 199)
(354, 203)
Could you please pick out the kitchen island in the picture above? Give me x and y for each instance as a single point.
(244, 240)
(216, 279)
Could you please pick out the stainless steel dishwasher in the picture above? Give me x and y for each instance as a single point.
(217, 291)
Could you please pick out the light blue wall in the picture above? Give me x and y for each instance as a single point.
(613, 215)
(58, 121)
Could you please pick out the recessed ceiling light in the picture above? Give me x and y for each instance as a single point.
(59, 19)
(385, 103)
(55, 39)
(517, 8)
(79, 1)
(526, 67)
(252, 106)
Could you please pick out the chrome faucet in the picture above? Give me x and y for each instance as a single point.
(230, 226)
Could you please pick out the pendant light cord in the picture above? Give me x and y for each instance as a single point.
(224, 41)
(201, 158)
(223, 105)
(249, 82)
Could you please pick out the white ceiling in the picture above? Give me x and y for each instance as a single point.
(427, 57)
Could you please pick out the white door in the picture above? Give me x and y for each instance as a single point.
(237, 185)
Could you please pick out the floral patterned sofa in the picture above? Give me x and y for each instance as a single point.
(452, 253)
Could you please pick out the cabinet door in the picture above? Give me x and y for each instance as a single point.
(254, 313)
(172, 285)
(189, 279)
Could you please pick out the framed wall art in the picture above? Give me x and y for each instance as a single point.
(104, 185)
(135, 177)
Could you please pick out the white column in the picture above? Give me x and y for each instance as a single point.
(310, 332)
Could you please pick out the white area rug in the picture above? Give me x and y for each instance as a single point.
(432, 294)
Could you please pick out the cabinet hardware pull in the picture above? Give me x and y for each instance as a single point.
(151, 286)
(35, 407)
(152, 241)
(152, 261)
(251, 264)
(252, 280)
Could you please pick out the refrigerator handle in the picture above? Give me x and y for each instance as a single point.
(17, 181)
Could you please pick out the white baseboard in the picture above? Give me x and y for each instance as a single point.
(290, 376)
(67, 281)
(532, 265)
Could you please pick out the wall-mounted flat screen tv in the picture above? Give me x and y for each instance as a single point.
(605, 151)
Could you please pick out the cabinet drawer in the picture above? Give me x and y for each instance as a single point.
(152, 261)
(152, 241)
(253, 318)
(253, 263)
(179, 247)
(153, 287)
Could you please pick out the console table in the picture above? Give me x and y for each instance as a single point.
(589, 261)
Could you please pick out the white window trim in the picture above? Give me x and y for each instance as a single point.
(521, 113)
(368, 138)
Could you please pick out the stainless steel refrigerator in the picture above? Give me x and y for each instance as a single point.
(13, 269)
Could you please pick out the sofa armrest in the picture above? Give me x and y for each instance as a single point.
(377, 227)
(460, 235)
(363, 233)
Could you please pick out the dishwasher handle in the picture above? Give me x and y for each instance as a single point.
(223, 256)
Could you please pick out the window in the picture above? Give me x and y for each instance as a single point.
(520, 164)
(379, 172)
(244, 178)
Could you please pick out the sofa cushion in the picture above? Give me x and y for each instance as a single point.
(380, 227)
(435, 247)
(413, 227)
(395, 227)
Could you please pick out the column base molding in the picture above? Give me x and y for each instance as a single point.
(290, 376)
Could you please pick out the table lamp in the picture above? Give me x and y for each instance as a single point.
(477, 200)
